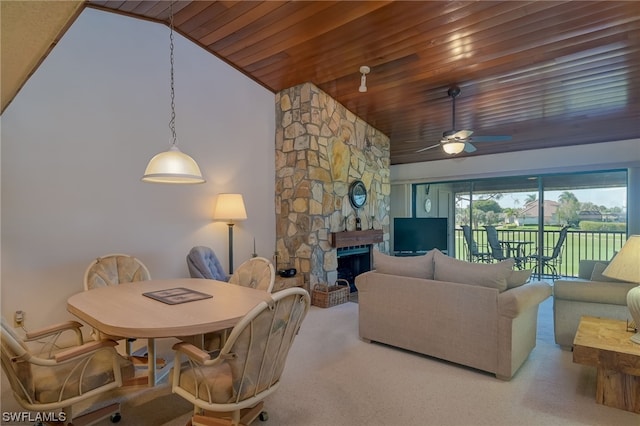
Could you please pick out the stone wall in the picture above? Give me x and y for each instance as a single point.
(321, 148)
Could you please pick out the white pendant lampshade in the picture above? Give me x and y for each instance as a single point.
(625, 266)
(172, 166)
(453, 147)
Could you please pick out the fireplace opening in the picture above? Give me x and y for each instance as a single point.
(352, 261)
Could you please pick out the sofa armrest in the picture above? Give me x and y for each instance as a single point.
(612, 293)
(513, 302)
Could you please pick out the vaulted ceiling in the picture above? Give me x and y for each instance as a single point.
(546, 73)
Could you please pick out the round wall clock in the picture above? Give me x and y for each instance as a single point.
(427, 205)
(357, 194)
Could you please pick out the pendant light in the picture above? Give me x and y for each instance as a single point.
(172, 166)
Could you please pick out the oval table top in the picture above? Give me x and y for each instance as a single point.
(124, 311)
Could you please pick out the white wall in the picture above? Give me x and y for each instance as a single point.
(76, 140)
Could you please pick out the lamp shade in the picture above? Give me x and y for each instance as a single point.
(625, 266)
(173, 166)
(453, 147)
(230, 207)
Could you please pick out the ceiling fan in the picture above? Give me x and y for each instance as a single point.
(456, 141)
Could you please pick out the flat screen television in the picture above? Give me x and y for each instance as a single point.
(419, 234)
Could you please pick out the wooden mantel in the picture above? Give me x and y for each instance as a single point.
(356, 238)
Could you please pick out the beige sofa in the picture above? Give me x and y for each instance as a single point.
(593, 295)
(478, 315)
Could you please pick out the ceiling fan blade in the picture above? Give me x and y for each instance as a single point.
(468, 147)
(462, 134)
(491, 138)
(427, 148)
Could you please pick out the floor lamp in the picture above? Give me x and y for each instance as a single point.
(230, 207)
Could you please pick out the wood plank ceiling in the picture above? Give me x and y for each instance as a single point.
(547, 73)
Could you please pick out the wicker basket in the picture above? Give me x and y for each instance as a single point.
(326, 296)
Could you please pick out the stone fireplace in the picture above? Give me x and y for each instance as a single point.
(321, 147)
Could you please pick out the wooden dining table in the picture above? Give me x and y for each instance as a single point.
(125, 311)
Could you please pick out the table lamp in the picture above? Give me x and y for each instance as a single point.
(625, 266)
(230, 207)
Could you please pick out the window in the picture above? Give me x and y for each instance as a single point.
(535, 208)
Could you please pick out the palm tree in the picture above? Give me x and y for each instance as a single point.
(509, 214)
(567, 197)
(530, 198)
(569, 208)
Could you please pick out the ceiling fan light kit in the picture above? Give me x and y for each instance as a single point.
(363, 79)
(455, 141)
(453, 147)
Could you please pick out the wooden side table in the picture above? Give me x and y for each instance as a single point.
(281, 282)
(604, 343)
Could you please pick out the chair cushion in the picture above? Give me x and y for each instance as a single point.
(410, 266)
(254, 274)
(210, 383)
(203, 263)
(493, 275)
(49, 382)
(114, 270)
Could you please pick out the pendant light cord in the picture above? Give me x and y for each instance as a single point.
(172, 122)
(453, 114)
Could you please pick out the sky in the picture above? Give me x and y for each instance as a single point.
(608, 197)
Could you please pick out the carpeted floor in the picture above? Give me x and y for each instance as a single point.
(332, 378)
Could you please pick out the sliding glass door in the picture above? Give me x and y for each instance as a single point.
(529, 214)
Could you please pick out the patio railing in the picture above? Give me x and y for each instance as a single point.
(578, 245)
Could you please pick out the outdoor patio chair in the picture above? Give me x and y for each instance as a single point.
(552, 261)
(474, 255)
(497, 250)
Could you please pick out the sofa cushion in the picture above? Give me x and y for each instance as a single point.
(598, 269)
(410, 266)
(493, 275)
(518, 278)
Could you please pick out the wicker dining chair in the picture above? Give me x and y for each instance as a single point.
(44, 378)
(231, 384)
(116, 269)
